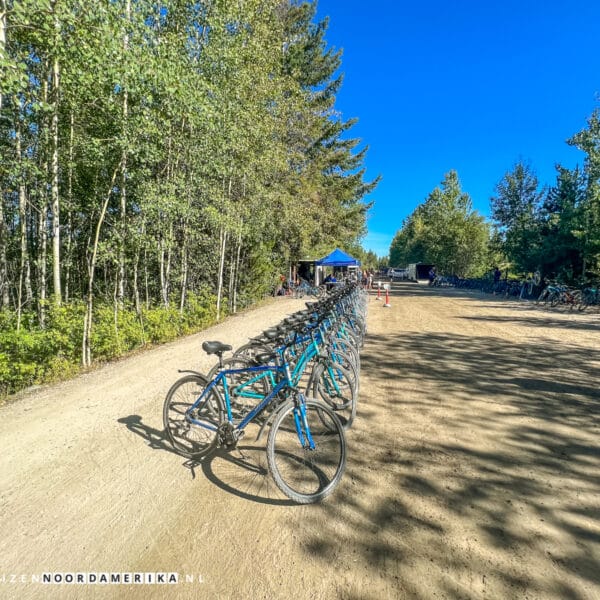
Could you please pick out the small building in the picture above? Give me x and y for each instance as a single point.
(419, 271)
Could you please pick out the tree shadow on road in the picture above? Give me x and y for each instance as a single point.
(540, 320)
(475, 460)
(534, 315)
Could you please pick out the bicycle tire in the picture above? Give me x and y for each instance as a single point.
(584, 302)
(189, 439)
(251, 349)
(352, 338)
(354, 355)
(345, 360)
(304, 475)
(356, 329)
(347, 348)
(331, 383)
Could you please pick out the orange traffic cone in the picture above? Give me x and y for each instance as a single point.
(387, 297)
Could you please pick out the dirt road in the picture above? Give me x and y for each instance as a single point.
(473, 471)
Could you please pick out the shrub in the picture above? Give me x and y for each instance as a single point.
(35, 355)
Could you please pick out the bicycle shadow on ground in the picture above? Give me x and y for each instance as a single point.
(241, 471)
(474, 460)
(155, 438)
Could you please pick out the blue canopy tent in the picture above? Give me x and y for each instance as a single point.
(338, 258)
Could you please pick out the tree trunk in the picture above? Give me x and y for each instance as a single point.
(122, 237)
(123, 214)
(136, 294)
(4, 296)
(42, 250)
(231, 279)
(68, 261)
(42, 260)
(25, 267)
(167, 290)
(161, 268)
(146, 291)
(146, 287)
(223, 244)
(165, 255)
(116, 309)
(237, 271)
(184, 268)
(4, 288)
(87, 329)
(57, 293)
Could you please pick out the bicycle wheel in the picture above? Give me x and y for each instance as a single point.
(575, 297)
(251, 349)
(542, 297)
(332, 383)
(584, 301)
(349, 349)
(188, 438)
(306, 472)
(344, 360)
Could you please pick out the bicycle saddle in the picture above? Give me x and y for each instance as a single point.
(215, 347)
(265, 357)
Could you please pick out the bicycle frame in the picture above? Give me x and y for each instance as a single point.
(302, 428)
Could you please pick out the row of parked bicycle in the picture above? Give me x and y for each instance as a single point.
(550, 294)
(301, 378)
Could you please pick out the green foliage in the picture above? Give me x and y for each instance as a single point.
(200, 311)
(368, 258)
(515, 211)
(34, 355)
(445, 231)
(186, 153)
(17, 368)
(555, 231)
(114, 332)
(586, 219)
(561, 226)
(162, 324)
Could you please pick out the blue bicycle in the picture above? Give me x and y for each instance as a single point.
(306, 446)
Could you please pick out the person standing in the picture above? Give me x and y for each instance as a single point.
(431, 275)
(330, 281)
(497, 275)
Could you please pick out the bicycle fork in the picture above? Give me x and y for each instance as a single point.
(302, 428)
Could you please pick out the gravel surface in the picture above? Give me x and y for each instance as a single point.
(473, 470)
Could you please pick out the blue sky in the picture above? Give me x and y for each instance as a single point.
(467, 85)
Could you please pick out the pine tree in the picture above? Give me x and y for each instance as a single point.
(515, 211)
(444, 230)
